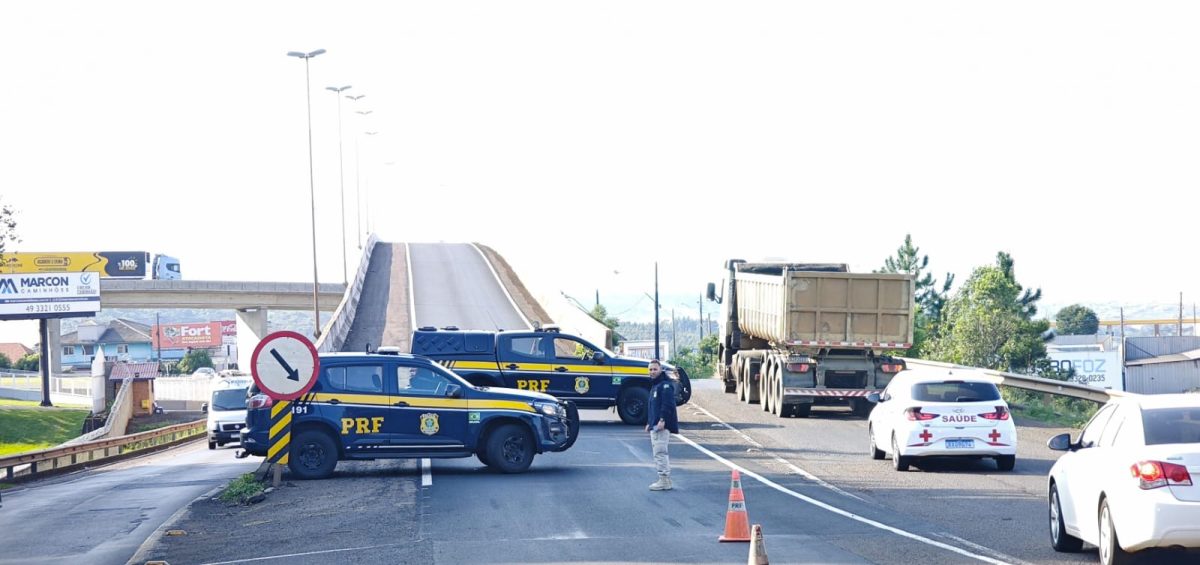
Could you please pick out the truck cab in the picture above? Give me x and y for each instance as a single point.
(166, 268)
(549, 361)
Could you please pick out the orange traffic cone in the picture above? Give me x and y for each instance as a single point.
(737, 525)
(758, 551)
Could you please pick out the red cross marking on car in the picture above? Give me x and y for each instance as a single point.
(995, 435)
(925, 436)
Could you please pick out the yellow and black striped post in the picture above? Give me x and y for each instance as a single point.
(281, 436)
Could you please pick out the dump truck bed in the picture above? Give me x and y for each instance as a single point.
(802, 309)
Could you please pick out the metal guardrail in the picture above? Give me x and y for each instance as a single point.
(1027, 382)
(338, 327)
(39, 463)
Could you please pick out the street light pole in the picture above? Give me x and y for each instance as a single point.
(367, 189)
(337, 91)
(312, 188)
(357, 195)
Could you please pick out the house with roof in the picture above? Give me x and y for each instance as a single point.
(121, 340)
(14, 351)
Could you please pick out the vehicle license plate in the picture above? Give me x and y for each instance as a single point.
(960, 444)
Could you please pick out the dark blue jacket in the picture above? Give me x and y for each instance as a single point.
(662, 403)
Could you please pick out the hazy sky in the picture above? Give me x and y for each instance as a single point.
(580, 139)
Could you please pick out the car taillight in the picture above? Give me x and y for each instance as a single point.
(259, 401)
(915, 414)
(798, 367)
(1155, 474)
(1001, 413)
(891, 367)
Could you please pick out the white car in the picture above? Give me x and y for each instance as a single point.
(1126, 484)
(941, 413)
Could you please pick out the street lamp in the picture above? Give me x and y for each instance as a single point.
(367, 189)
(358, 169)
(337, 90)
(357, 195)
(312, 190)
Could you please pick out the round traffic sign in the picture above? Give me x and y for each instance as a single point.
(285, 365)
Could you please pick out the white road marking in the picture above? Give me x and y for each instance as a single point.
(285, 556)
(839, 511)
(426, 472)
(788, 464)
(982, 549)
(502, 287)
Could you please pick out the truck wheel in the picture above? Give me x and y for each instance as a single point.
(860, 407)
(313, 455)
(631, 405)
(510, 449)
(802, 410)
(781, 409)
(764, 394)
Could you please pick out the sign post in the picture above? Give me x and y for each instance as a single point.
(284, 366)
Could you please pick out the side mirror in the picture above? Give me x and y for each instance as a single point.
(204, 407)
(453, 391)
(598, 357)
(873, 398)
(1060, 442)
(710, 292)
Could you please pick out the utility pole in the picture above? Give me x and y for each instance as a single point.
(158, 337)
(701, 319)
(657, 350)
(674, 344)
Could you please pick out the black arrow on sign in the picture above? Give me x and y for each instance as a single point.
(293, 374)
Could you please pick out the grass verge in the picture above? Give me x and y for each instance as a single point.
(29, 428)
(1062, 411)
(241, 489)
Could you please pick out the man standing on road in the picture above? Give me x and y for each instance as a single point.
(661, 422)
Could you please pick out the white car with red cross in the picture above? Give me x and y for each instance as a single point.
(941, 413)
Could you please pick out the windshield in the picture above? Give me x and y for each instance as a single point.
(1171, 425)
(229, 399)
(955, 391)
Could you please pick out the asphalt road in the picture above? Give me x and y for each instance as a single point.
(453, 285)
(383, 313)
(102, 516)
(809, 482)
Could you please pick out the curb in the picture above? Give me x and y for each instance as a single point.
(139, 556)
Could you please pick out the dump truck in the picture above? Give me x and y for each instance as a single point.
(793, 335)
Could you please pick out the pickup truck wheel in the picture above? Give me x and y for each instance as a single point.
(632, 404)
(212, 444)
(572, 426)
(313, 455)
(481, 453)
(685, 388)
(510, 449)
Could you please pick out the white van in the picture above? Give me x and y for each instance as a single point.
(226, 409)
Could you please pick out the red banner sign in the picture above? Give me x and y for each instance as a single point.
(178, 336)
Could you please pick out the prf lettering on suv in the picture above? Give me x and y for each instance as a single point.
(547, 360)
(390, 405)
